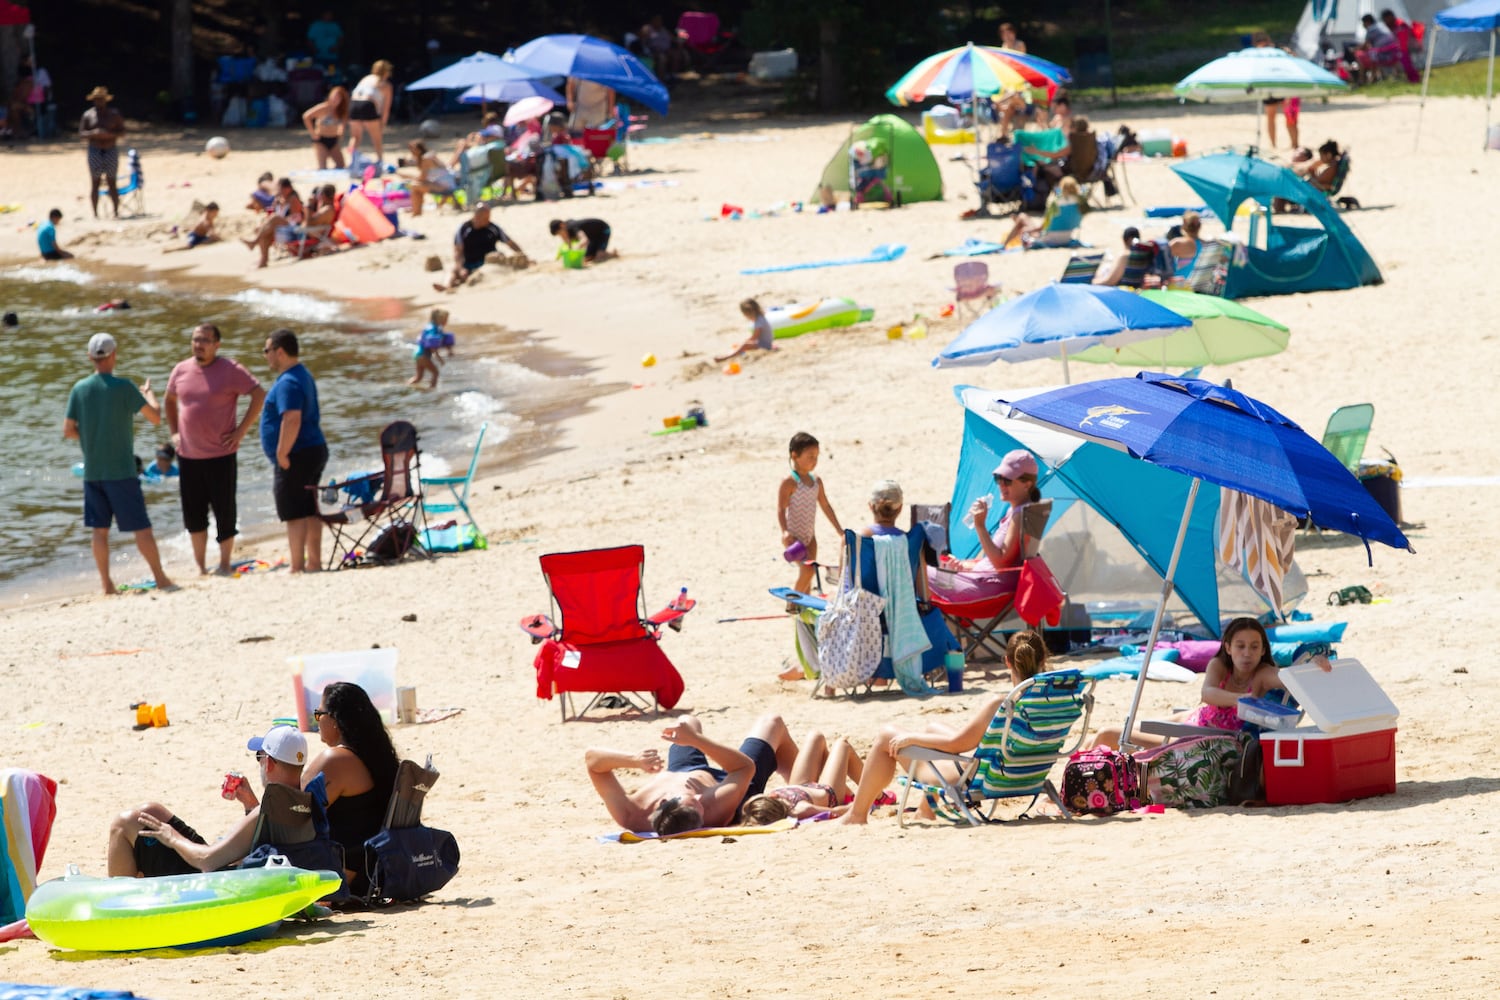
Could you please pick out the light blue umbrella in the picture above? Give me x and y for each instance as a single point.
(1055, 320)
(595, 60)
(1256, 74)
(479, 69)
(1211, 432)
(509, 92)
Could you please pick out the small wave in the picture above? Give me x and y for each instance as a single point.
(473, 403)
(289, 305)
(56, 272)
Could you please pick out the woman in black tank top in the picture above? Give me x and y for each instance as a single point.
(358, 768)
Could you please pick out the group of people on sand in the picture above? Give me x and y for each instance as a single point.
(351, 780)
(705, 783)
(202, 410)
(479, 236)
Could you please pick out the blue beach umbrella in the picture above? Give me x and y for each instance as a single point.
(595, 60)
(509, 92)
(1056, 320)
(479, 69)
(1210, 432)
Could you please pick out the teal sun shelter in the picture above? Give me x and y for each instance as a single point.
(912, 171)
(1108, 540)
(1307, 252)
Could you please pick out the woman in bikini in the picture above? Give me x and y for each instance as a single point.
(819, 783)
(370, 108)
(426, 174)
(1185, 248)
(325, 123)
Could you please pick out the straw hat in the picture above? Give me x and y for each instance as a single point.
(100, 94)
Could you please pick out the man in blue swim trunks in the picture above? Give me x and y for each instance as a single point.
(690, 792)
(474, 240)
(101, 418)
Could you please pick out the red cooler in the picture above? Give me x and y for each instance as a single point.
(1352, 752)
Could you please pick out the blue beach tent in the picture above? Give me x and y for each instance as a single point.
(1302, 253)
(1114, 521)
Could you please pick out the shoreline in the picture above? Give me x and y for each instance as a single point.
(514, 790)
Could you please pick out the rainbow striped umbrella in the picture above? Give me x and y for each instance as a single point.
(977, 71)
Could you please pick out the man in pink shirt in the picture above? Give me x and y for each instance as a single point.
(202, 411)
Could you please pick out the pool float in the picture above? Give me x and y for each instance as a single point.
(128, 914)
(792, 321)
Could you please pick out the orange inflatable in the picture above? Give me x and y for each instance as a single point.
(360, 221)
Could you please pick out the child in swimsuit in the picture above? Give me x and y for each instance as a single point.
(834, 766)
(762, 337)
(433, 338)
(797, 503)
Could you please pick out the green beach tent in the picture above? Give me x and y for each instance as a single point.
(912, 173)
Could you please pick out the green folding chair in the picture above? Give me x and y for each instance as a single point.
(1347, 431)
(1036, 726)
(458, 486)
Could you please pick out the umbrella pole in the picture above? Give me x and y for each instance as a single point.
(1161, 610)
(1426, 76)
(1489, 90)
(1066, 379)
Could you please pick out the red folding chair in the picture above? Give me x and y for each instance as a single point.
(602, 642)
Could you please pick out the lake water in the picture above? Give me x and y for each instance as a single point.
(359, 352)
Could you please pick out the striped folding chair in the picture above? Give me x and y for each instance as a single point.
(1081, 268)
(1033, 729)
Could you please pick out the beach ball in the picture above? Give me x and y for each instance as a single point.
(431, 128)
(217, 147)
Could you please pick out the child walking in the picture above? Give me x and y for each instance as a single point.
(433, 338)
(797, 502)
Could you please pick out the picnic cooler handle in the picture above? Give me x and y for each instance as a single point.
(1278, 757)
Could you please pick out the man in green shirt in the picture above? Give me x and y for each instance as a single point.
(101, 416)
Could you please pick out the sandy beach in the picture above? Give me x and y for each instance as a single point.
(1397, 892)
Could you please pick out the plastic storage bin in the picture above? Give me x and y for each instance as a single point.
(1271, 714)
(1351, 754)
(1155, 142)
(774, 65)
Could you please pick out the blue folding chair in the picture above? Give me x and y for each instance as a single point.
(458, 486)
(132, 190)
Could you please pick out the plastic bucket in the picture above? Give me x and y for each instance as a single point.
(571, 258)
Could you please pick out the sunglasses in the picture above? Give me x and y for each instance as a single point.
(260, 755)
(319, 713)
(1003, 481)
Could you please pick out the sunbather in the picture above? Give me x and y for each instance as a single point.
(818, 784)
(690, 793)
(1320, 171)
(1025, 656)
(1028, 227)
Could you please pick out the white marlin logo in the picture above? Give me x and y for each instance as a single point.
(1109, 416)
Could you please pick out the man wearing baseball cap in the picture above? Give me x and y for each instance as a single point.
(101, 418)
(151, 840)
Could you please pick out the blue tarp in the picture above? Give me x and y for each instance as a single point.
(1476, 15)
(1289, 258)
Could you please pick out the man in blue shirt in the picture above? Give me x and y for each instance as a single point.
(325, 35)
(46, 238)
(101, 414)
(292, 439)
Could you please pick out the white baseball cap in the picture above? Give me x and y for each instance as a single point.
(283, 743)
(101, 345)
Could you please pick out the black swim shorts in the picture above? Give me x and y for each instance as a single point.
(153, 858)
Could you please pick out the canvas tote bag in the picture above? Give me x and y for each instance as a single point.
(850, 644)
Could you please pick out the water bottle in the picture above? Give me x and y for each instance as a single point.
(331, 493)
(968, 517)
(681, 602)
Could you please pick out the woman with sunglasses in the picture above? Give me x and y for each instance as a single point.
(985, 576)
(358, 766)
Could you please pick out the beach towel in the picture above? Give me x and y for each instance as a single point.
(906, 638)
(1162, 667)
(28, 805)
(1256, 538)
(882, 254)
(780, 826)
(972, 247)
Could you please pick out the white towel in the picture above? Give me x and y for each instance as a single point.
(906, 639)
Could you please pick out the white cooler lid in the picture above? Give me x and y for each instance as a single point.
(1343, 701)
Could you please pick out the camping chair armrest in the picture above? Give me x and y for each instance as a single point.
(443, 480)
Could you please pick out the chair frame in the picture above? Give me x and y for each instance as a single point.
(959, 797)
(457, 486)
(967, 302)
(1360, 433)
(362, 520)
(974, 623)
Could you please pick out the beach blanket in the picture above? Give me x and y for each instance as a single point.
(972, 247)
(453, 537)
(28, 805)
(24, 991)
(882, 254)
(780, 826)
(906, 640)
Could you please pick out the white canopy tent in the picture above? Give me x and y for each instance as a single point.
(1473, 19)
(1331, 23)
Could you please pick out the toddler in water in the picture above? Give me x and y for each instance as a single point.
(762, 337)
(162, 467)
(433, 338)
